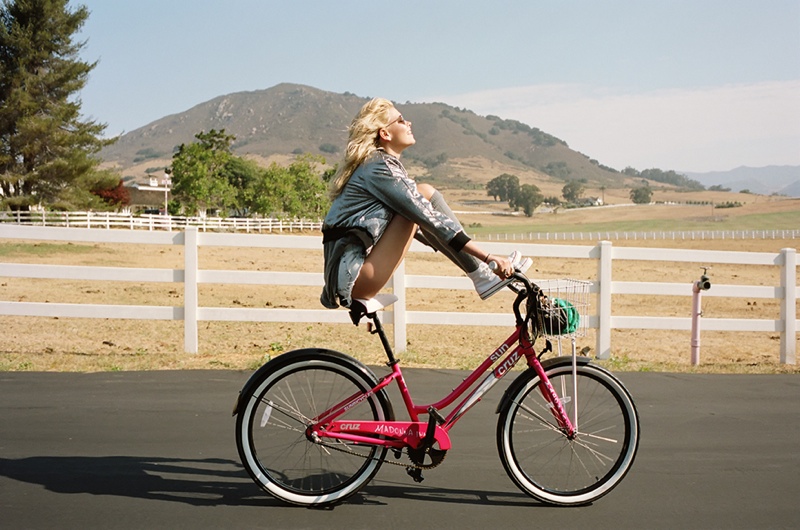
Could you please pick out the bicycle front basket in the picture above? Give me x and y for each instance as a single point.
(559, 317)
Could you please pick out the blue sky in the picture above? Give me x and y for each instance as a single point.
(700, 85)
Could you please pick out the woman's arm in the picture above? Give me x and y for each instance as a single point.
(504, 267)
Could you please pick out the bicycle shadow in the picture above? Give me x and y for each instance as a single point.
(197, 482)
(392, 492)
(209, 482)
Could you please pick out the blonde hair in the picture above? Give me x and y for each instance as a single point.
(362, 141)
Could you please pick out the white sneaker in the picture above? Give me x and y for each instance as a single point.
(488, 283)
(520, 264)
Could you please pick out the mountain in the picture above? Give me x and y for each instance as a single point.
(454, 146)
(792, 190)
(781, 180)
(288, 119)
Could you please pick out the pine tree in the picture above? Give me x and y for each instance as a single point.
(47, 151)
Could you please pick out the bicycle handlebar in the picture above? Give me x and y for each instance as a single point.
(522, 293)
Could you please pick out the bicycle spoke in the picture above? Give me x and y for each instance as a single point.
(290, 403)
(600, 438)
(541, 419)
(601, 457)
(293, 414)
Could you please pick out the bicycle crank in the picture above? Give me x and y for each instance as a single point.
(418, 456)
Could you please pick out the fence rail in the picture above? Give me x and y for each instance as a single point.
(109, 220)
(191, 276)
(685, 235)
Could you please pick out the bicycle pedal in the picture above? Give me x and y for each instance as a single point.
(415, 473)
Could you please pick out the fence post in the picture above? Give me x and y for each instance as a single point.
(788, 307)
(604, 300)
(399, 308)
(190, 266)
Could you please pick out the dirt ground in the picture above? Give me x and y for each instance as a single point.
(72, 344)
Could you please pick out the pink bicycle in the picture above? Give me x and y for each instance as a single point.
(314, 426)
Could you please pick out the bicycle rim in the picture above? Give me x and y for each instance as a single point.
(549, 466)
(272, 432)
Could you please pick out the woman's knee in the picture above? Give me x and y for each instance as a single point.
(426, 190)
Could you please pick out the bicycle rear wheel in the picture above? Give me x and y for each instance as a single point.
(274, 413)
(541, 459)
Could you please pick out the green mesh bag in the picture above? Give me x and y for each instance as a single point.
(559, 317)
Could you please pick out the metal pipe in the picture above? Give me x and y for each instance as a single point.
(696, 312)
(703, 284)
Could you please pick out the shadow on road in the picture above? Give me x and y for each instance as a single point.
(206, 482)
(394, 492)
(199, 482)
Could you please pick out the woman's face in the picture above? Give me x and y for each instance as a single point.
(396, 136)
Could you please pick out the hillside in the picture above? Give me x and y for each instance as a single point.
(287, 119)
(782, 180)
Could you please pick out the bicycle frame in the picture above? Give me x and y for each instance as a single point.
(399, 434)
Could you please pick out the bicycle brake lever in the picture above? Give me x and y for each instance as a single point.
(548, 347)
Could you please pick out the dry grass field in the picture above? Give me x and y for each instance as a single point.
(71, 344)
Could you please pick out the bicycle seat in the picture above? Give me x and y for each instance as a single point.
(361, 307)
(377, 303)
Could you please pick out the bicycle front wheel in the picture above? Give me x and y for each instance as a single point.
(271, 428)
(539, 456)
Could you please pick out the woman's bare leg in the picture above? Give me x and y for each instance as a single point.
(384, 258)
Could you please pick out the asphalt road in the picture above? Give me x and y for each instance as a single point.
(157, 450)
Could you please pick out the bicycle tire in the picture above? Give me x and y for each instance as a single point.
(540, 458)
(274, 411)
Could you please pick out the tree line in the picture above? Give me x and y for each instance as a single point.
(528, 197)
(507, 188)
(665, 177)
(206, 175)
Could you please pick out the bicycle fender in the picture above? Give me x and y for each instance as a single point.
(290, 357)
(546, 365)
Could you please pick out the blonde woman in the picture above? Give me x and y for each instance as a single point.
(378, 209)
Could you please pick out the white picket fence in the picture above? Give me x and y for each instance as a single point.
(152, 222)
(604, 253)
(653, 235)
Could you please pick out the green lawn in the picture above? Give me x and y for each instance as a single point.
(771, 221)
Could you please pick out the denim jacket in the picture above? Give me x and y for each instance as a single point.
(378, 189)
